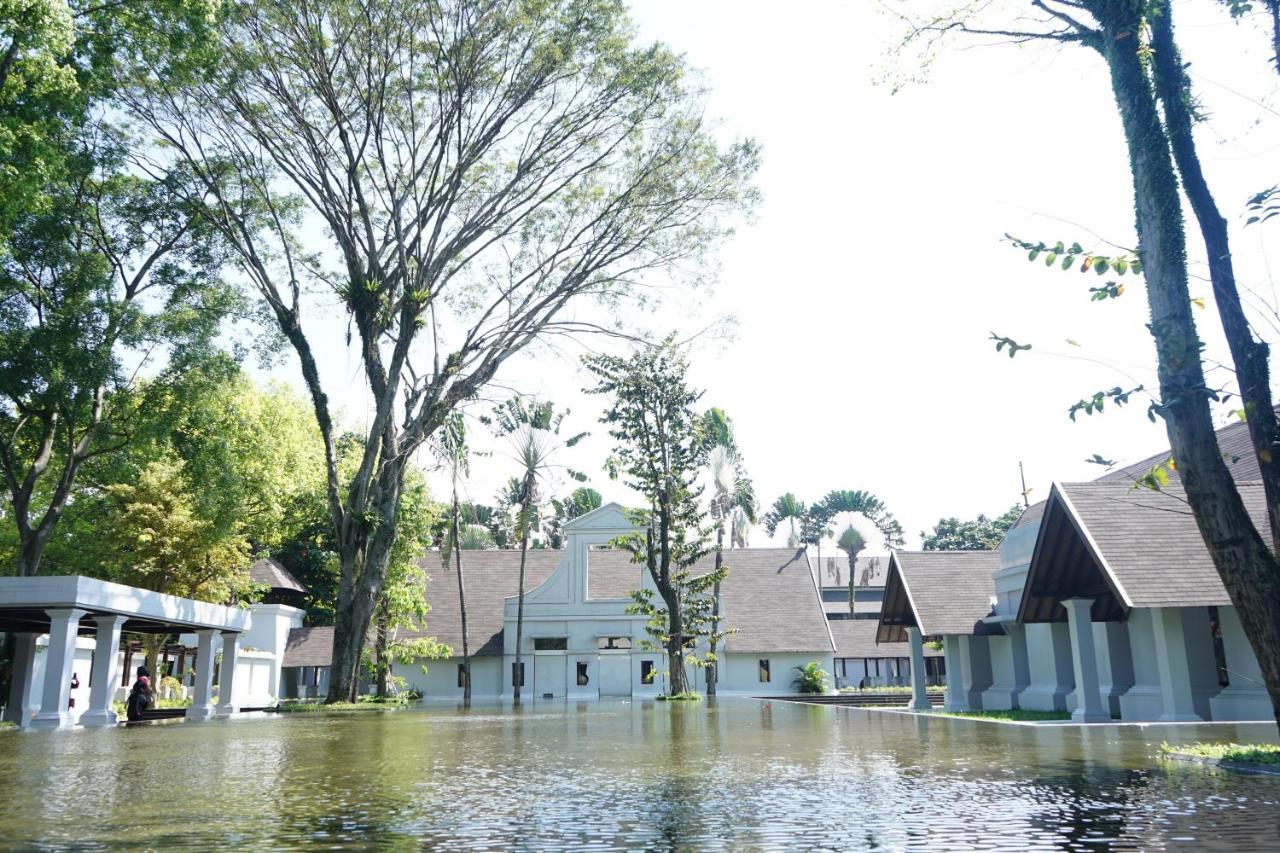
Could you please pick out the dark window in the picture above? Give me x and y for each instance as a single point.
(646, 672)
(517, 674)
(550, 644)
(613, 642)
(764, 670)
(583, 679)
(1219, 650)
(462, 675)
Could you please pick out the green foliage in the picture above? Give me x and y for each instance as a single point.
(686, 696)
(1264, 205)
(1014, 346)
(1095, 403)
(810, 678)
(980, 534)
(1100, 264)
(660, 451)
(1157, 476)
(1016, 715)
(815, 521)
(1243, 753)
(580, 501)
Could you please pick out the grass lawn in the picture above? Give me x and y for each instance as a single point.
(688, 696)
(1243, 753)
(1015, 716)
(366, 703)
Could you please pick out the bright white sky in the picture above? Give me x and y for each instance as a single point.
(865, 289)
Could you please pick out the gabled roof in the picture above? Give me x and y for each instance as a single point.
(1125, 547)
(769, 596)
(270, 573)
(939, 592)
(308, 647)
(856, 638)
(1233, 441)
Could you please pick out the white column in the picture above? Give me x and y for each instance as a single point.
(1084, 657)
(202, 703)
(976, 652)
(956, 698)
(18, 709)
(1175, 669)
(64, 626)
(919, 696)
(227, 677)
(106, 672)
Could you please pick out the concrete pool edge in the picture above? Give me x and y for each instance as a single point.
(1139, 724)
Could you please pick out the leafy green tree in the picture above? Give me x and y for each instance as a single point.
(852, 543)
(580, 501)
(403, 603)
(980, 534)
(660, 452)
(533, 429)
(793, 511)
(452, 248)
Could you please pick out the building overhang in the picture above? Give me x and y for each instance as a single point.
(24, 603)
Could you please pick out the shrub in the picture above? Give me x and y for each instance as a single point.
(811, 679)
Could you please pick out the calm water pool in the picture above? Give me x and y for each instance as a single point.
(742, 774)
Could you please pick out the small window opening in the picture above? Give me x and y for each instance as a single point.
(646, 672)
(614, 642)
(550, 644)
(1219, 650)
(764, 670)
(462, 675)
(583, 678)
(517, 674)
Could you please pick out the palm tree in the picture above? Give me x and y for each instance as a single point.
(722, 465)
(852, 543)
(451, 448)
(790, 509)
(533, 430)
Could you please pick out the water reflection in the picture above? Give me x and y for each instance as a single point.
(731, 774)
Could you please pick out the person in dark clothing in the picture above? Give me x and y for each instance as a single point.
(75, 685)
(141, 698)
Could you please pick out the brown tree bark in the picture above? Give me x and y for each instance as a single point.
(1248, 568)
(713, 668)
(462, 604)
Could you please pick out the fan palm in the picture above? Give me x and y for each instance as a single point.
(852, 543)
(451, 448)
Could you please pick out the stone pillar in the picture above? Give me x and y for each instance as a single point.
(227, 678)
(919, 679)
(1021, 661)
(976, 652)
(1084, 656)
(1176, 688)
(106, 672)
(18, 708)
(1115, 663)
(202, 703)
(64, 626)
(956, 698)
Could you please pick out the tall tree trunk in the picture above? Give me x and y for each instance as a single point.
(462, 605)
(1248, 569)
(381, 643)
(517, 677)
(1251, 356)
(713, 668)
(679, 680)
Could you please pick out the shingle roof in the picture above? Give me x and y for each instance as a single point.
(270, 573)
(1150, 542)
(769, 596)
(856, 638)
(308, 647)
(1233, 441)
(491, 577)
(941, 592)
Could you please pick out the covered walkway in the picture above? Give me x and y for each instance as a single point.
(70, 606)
